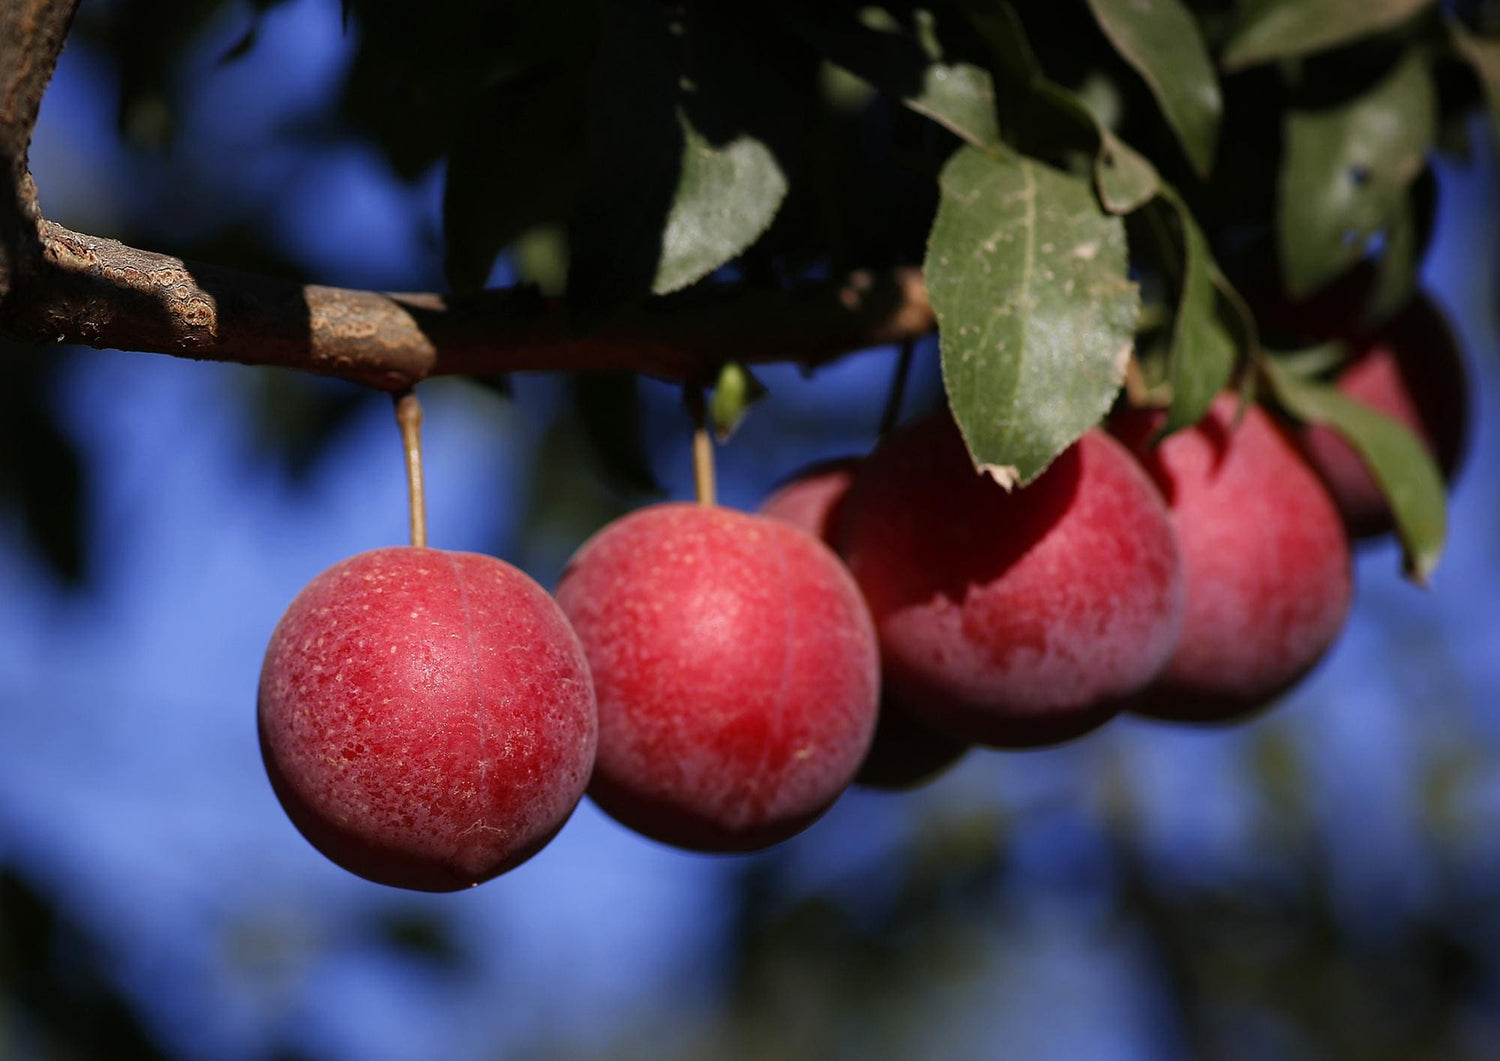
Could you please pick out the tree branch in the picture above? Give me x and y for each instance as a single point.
(32, 33)
(66, 287)
(98, 292)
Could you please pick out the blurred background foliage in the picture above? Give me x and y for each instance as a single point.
(1321, 882)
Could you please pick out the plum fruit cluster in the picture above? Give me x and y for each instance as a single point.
(715, 679)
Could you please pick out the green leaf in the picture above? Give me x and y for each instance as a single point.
(726, 197)
(736, 390)
(1282, 29)
(1027, 276)
(540, 256)
(1313, 361)
(961, 98)
(1346, 170)
(1201, 358)
(1160, 39)
(1396, 271)
(1000, 27)
(1126, 180)
(1398, 459)
(678, 186)
(1044, 115)
(1483, 55)
(905, 65)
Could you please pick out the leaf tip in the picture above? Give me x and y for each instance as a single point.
(1007, 475)
(1418, 568)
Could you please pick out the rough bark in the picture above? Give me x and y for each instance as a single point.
(32, 33)
(98, 292)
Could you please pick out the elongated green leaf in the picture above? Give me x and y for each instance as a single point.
(1160, 39)
(1281, 29)
(1407, 237)
(1398, 459)
(1311, 362)
(1202, 354)
(1043, 114)
(1346, 170)
(1396, 271)
(1035, 314)
(726, 197)
(1483, 55)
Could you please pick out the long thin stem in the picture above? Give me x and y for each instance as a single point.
(703, 446)
(409, 417)
(1137, 391)
(897, 394)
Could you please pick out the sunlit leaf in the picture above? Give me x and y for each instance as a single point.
(676, 187)
(726, 197)
(1027, 275)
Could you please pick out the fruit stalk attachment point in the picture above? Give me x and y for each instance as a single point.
(409, 418)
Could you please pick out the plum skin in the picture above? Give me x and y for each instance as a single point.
(1411, 370)
(736, 672)
(1012, 618)
(426, 717)
(905, 753)
(1267, 560)
(812, 498)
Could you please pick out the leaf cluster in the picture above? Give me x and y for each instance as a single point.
(1096, 189)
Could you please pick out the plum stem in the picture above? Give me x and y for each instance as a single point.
(1137, 391)
(897, 394)
(409, 417)
(703, 445)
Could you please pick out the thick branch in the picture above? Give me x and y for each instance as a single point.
(98, 292)
(61, 286)
(32, 33)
